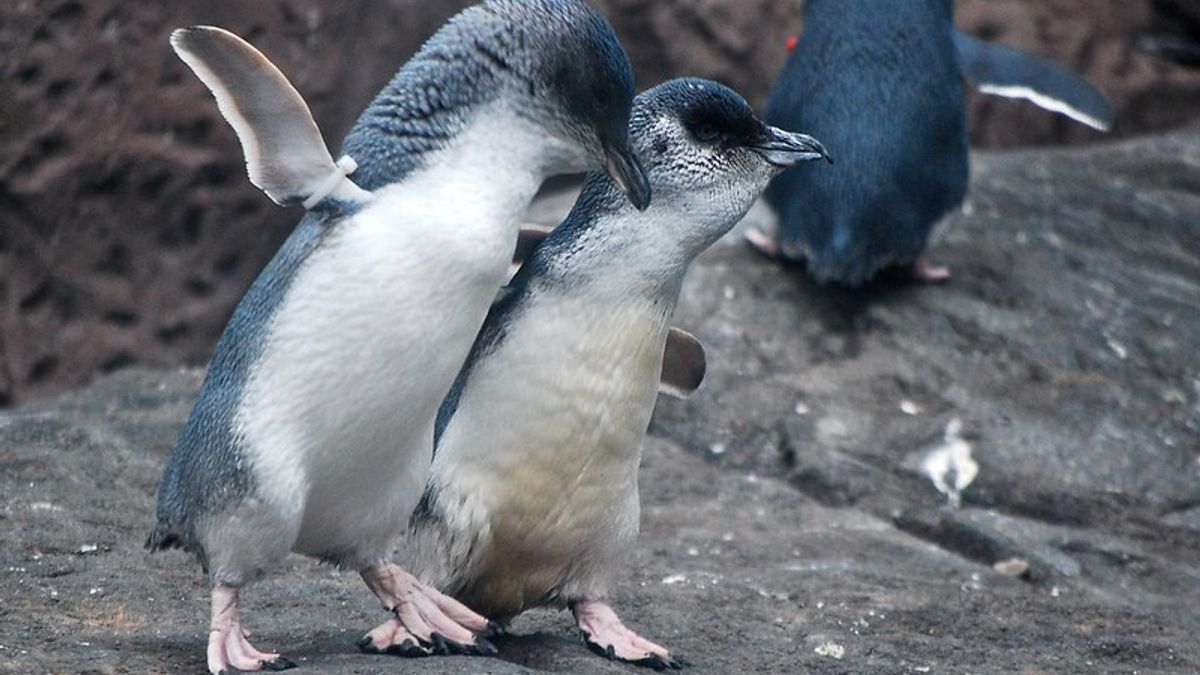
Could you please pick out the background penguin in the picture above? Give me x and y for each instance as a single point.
(533, 498)
(313, 430)
(881, 82)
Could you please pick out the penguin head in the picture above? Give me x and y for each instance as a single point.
(706, 153)
(578, 86)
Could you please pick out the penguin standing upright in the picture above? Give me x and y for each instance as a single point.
(313, 431)
(881, 81)
(533, 498)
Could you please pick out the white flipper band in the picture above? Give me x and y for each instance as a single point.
(344, 167)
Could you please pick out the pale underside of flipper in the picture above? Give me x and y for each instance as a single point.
(1003, 71)
(530, 236)
(286, 156)
(684, 364)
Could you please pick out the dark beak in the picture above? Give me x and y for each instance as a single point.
(626, 171)
(785, 149)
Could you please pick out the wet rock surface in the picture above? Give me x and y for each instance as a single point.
(127, 227)
(791, 520)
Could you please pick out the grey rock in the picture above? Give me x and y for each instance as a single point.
(789, 521)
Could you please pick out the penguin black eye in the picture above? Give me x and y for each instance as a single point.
(706, 132)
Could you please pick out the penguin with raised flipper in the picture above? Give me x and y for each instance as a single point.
(313, 431)
(881, 81)
(533, 498)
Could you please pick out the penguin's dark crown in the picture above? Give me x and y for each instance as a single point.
(710, 112)
(559, 61)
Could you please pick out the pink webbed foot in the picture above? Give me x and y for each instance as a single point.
(228, 647)
(764, 241)
(926, 270)
(391, 637)
(426, 621)
(605, 635)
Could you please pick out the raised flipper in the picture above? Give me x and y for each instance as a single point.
(1004, 71)
(684, 365)
(286, 156)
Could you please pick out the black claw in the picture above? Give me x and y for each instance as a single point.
(444, 646)
(407, 649)
(281, 663)
(366, 645)
(659, 662)
(484, 646)
(653, 662)
(494, 629)
(441, 646)
(604, 651)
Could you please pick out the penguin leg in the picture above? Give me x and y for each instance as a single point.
(928, 271)
(424, 618)
(227, 644)
(605, 635)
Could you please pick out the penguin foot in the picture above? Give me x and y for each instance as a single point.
(228, 646)
(437, 623)
(763, 241)
(391, 637)
(926, 270)
(605, 635)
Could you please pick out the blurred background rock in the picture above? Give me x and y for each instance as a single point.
(128, 230)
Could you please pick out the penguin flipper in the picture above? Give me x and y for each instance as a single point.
(530, 236)
(684, 364)
(286, 156)
(1004, 71)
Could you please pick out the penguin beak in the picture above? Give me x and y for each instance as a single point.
(626, 171)
(786, 149)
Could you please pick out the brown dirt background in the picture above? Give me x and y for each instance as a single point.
(128, 230)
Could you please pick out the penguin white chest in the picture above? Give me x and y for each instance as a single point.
(337, 415)
(545, 447)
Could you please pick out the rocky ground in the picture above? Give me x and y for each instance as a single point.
(792, 516)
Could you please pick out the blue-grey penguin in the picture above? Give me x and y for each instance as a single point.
(882, 82)
(313, 430)
(533, 497)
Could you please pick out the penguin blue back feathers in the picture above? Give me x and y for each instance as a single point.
(207, 471)
(882, 83)
(559, 51)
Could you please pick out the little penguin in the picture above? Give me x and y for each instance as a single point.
(533, 497)
(881, 81)
(313, 430)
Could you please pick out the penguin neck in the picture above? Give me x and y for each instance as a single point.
(482, 180)
(616, 251)
(497, 161)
